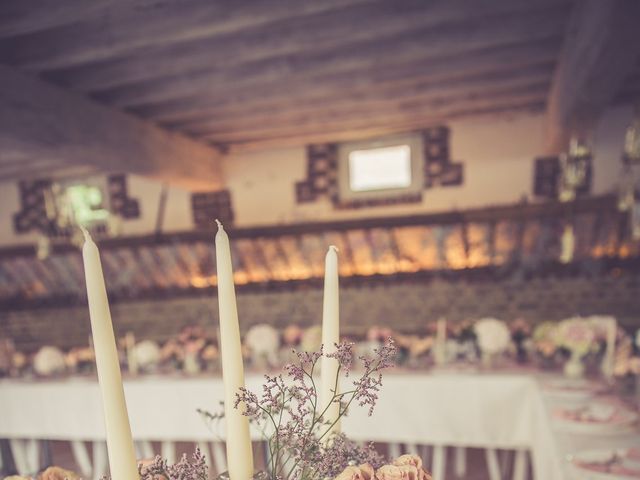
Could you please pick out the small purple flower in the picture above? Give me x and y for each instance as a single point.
(344, 355)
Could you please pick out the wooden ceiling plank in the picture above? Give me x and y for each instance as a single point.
(322, 30)
(388, 113)
(389, 74)
(128, 26)
(429, 96)
(601, 48)
(339, 133)
(423, 44)
(18, 17)
(48, 122)
(407, 89)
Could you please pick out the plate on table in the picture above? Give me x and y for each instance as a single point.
(620, 464)
(597, 417)
(572, 390)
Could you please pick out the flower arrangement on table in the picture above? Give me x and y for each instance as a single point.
(493, 337)
(544, 344)
(577, 336)
(301, 440)
(300, 433)
(547, 345)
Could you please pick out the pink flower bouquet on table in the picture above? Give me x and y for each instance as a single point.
(577, 336)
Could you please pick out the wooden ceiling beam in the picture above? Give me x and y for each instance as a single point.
(388, 74)
(601, 48)
(40, 121)
(317, 31)
(353, 103)
(128, 26)
(30, 173)
(424, 44)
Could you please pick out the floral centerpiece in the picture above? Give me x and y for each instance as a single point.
(544, 344)
(262, 342)
(577, 336)
(300, 439)
(493, 337)
(290, 414)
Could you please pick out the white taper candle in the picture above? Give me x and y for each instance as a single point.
(239, 450)
(122, 457)
(330, 337)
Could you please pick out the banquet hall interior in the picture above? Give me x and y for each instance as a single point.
(448, 191)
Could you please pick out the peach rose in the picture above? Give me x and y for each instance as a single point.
(408, 459)
(57, 473)
(360, 472)
(389, 472)
(411, 467)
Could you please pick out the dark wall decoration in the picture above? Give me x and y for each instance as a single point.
(209, 206)
(546, 177)
(439, 170)
(121, 203)
(33, 209)
(322, 173)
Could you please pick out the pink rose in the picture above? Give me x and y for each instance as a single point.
(360, 472)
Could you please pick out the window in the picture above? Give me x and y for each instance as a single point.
(380, 168)
(380, 171)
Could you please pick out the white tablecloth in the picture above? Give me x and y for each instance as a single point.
(453, 409)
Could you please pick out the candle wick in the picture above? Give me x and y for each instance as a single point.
(219, 223)
(334, 248)
(85, 232)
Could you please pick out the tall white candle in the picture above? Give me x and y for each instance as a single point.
(239, 450)
(122, 457)
(610, 351)
(130, 347)
(442, 331)
(441, 342)
(330, 337)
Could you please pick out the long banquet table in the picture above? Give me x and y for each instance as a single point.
(487, 410)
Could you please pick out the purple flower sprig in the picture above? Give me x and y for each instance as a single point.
(300, 443)
(185, 469)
